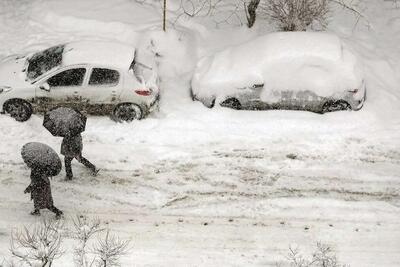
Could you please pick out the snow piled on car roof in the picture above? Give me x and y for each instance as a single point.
(112, 54)
(283, 61)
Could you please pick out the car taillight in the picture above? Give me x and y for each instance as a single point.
(354, 91)
(143, 92)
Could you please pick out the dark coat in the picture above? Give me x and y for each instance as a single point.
(72, 146)
(40, 190)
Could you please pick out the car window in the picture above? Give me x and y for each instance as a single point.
(72, 77)
(141, 66)
(43, 61)
(101, 76)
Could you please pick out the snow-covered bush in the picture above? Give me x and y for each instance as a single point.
(84, 229)
(109, 250)
(39, 245)
(323, 256)
(296, 15)
(106, 250)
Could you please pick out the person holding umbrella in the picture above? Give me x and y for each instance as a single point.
(69, 124)
(44, 162)
(71, 147)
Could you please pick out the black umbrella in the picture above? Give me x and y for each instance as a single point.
(38, 155)
(62, 121)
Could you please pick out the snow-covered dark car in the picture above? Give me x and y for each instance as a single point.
(103, 78)
(284, 70)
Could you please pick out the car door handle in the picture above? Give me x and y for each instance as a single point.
(113, 95)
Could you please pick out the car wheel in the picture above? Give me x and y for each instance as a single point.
(335, 105)
(127, 112)
(20, 110)
(231, 103)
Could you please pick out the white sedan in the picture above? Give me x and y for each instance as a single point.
(284, 70)
(103, 78)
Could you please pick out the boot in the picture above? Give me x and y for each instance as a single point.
(35, 213)
(56, 211)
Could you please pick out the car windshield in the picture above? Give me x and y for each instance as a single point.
(43, 61)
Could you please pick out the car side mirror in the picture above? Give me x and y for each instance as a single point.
(45, 86)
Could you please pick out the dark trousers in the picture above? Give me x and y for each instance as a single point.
(80, 159)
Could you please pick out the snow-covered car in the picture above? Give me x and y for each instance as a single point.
(283, 70)
(102, 78)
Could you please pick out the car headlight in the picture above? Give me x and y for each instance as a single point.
(4, 89)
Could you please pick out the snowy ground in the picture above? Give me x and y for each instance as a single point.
(198, 187)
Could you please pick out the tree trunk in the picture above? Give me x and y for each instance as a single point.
(251, 12)
(165, 15)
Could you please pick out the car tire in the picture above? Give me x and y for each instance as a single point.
(127, 112)
(231, 103)
(18, 109)
(335, 105)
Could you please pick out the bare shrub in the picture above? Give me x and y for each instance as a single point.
(38, 246)
(323, 256)
(353, 8)
(84, 229)
(109, 250)
(41, 245)
(220, 11)
(296, 15)
(105, 250)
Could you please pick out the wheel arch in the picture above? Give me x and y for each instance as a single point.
(16, 99)
(327, 105)
(231, 102)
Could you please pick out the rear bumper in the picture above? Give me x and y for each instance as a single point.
(153, 106)
(357, 103)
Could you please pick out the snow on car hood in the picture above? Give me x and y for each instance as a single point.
(281, 61)
(11, 72)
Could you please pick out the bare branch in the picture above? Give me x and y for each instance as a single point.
(353, 10)
(296, 15)
(84, 229)
(323, 256)
(39, 245)
(109, 250)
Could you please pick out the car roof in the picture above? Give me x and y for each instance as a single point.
(112, 54)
